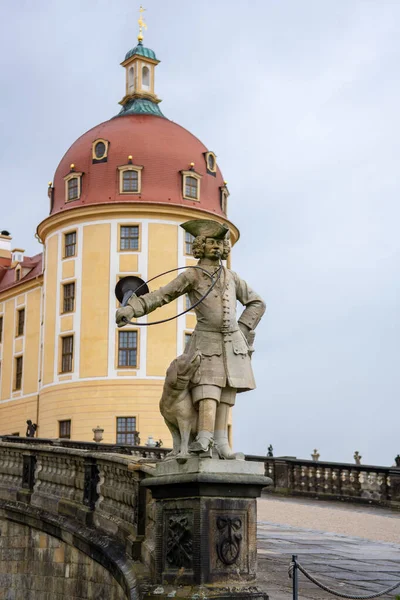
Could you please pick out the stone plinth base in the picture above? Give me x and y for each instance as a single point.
(165, 592)
(205, 525)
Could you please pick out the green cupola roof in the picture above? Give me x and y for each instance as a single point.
(140, 106)
(141, 50)
(140, 64)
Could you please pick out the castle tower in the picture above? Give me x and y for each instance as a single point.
(118, 198)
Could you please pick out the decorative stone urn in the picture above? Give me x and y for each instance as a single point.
(98, 434)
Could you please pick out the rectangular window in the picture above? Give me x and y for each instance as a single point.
(126, 429)
(18, 275)
(1, 329)
(130, 181)
(129, 237)
(127, 349)
(73, 188)
(67, 354)
(70, 244)
(21, 322)
(18, 372)
(191, 187)
(188, 242)
(64, 429)
(69, 297)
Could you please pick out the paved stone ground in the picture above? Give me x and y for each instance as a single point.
(359, 564)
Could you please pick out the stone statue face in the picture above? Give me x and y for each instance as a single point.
(213, 249)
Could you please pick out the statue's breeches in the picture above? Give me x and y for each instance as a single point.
(225, 395)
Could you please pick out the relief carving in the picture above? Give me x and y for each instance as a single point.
(228, 546)
(179, 545)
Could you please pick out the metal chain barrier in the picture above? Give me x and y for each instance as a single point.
(295, 565)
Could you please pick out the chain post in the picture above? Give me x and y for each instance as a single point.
(295, 577)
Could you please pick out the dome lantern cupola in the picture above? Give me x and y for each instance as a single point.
(140, 63)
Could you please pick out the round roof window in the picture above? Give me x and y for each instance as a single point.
(211, 162)
(100, 149)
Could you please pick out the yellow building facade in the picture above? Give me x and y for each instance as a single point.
(119, 196)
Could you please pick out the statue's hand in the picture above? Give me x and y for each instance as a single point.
(249, 335)
(123, 314)
(245, 330)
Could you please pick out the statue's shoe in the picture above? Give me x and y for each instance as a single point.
(201, 444)
(225, 451)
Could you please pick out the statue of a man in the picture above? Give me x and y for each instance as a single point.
(31, 429)
(224, 343)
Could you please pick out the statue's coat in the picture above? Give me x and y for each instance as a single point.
(225, 353)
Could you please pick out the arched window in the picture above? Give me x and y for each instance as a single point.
(131, 79)
(191, 187)
(130, 181)
(146, 78)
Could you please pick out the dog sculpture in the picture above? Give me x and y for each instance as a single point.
(176, 403)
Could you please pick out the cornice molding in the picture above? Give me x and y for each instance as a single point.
(117, 210)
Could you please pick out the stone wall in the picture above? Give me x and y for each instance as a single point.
(37, 566)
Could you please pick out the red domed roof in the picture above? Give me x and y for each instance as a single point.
(160, 146)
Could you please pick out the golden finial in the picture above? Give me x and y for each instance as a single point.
(130, 158)
(50, 183)
(142, 24)
(72, 166)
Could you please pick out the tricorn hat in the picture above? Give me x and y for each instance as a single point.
(206, 227)
(130, 285)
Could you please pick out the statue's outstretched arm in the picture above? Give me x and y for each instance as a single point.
(145, 304)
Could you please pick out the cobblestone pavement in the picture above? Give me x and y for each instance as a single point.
(349, 564)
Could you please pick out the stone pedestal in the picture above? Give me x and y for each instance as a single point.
(205, 525)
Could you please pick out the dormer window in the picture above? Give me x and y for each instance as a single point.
(99, 151)
(211, 163)
(72, 186)
(18, 274)
(224, 198)
(191, 185)
(130, 180)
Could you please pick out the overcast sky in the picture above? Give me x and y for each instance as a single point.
(300, 101)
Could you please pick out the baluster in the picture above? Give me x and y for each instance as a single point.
(319, 480)
(355, 486)
(311, 479)
(303, 479)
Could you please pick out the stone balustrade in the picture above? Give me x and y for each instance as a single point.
(63, 466)
(334, 481)
(137, 451)
(98, 489)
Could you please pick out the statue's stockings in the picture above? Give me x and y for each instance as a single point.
(213, 422)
